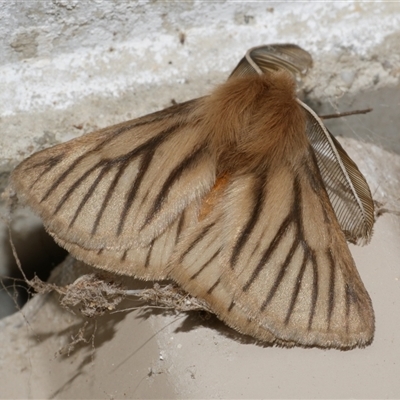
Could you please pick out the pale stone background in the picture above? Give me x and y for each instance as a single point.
(69, 67)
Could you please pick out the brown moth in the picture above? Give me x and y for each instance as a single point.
(242, 197)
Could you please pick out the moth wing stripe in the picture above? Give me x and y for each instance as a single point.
(180, 226)
(147, 262)
(72, 187)
(347, 300)
(50, 164)
(331, 299)
(74, 165)
(315, 184)
(233, 303)
(124, 255)
(298, 213)
(315, 290)
(296, 288)
(209, 291)
(89, 194)
(150, 146)
(131, 195)
(205, 265)
(252, 221)
(61, 179)
(196, 241)
(181, 168)
(268, 252)
(279, 278)
(107, 198)
(151, 142)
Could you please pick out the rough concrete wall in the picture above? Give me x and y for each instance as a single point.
(99, 62)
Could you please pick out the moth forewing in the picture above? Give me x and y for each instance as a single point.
(222, 194)
(120, 189)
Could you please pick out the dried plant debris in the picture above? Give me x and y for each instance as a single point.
(170, 296)
(95, 294)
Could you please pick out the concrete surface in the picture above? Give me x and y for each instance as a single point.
(70, 67)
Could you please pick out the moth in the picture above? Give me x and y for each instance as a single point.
(242, 197)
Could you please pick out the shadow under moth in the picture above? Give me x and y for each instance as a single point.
(241, 197)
